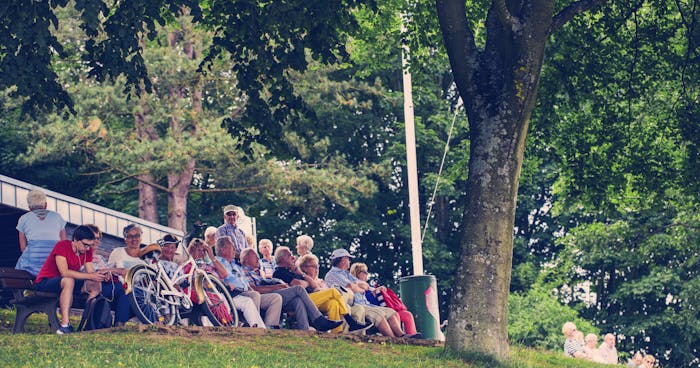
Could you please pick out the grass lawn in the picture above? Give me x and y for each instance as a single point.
(151, 346)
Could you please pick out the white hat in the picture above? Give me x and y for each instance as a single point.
(231, 208)
(340, 253)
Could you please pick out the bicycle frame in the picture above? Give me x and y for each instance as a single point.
(170, 290)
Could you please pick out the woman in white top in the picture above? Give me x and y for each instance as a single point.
(125, 257)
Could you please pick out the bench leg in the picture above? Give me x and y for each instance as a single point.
(24, 311)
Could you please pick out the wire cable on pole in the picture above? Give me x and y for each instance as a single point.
(442, 163)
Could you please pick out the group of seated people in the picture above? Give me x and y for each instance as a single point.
(262, 287)
(578, 346)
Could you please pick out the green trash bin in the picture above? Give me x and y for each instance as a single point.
(419, 294)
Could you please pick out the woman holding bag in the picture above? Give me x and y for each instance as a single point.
(385, 297)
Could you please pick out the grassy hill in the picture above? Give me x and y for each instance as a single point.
(152, 346)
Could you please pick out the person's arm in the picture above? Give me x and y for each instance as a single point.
(225, 268)
(90, 267)
(220, 269)
(362, 285)
(22, 242)
(313, 284)
(263, 289)
(302, 283)
(62, 234)
(63, 269)
(354, 287)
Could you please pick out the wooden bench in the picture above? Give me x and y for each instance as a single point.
(26, 300)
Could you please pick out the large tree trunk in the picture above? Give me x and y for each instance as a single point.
(179, 181)
(148, 196)
(179, 185)
(498, 86)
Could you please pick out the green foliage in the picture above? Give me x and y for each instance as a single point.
(535, 319)
(26, 49)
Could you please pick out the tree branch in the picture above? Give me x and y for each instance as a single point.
(505, 17)
(147, 182)
(571, 11)
(225, 190)
(459, 42)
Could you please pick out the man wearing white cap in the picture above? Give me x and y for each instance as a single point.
(385, 319)
(230, 228)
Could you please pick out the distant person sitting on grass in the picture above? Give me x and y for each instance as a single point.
(590, 347)
(61, 272)
(636, 361)
(649, 361)
(607, 349)
(572, 347)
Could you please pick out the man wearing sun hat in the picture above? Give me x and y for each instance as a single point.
(230, 228)
(385, 319)
(168, 245)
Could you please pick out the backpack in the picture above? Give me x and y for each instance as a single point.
(97, 314)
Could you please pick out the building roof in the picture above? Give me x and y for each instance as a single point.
(13, 193)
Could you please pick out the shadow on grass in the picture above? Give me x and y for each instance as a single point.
(475, 359)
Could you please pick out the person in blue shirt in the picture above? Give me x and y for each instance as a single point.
(386, 320)
(238, 285)
(231, 229)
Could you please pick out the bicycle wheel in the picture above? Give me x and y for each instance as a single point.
(146, 300)
(216, 303)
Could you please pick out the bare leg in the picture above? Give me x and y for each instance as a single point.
(66, 299)
(395, 324)
(384, 328)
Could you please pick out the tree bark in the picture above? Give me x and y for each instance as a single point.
(179, 181)
(498, 86)
(148, 196)
(179, 184)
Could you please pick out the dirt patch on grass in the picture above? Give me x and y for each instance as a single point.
(37, 324)
(252, 334)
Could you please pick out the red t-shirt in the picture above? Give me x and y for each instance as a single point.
(62, 248)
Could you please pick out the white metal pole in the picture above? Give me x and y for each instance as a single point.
(411, 161)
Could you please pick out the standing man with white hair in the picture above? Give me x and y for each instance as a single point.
(230, 228)
(39, 230)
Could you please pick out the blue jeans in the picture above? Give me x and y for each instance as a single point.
(54, 285)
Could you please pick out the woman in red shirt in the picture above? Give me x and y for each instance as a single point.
(61, 271)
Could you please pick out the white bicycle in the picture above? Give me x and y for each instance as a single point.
(156, 298)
